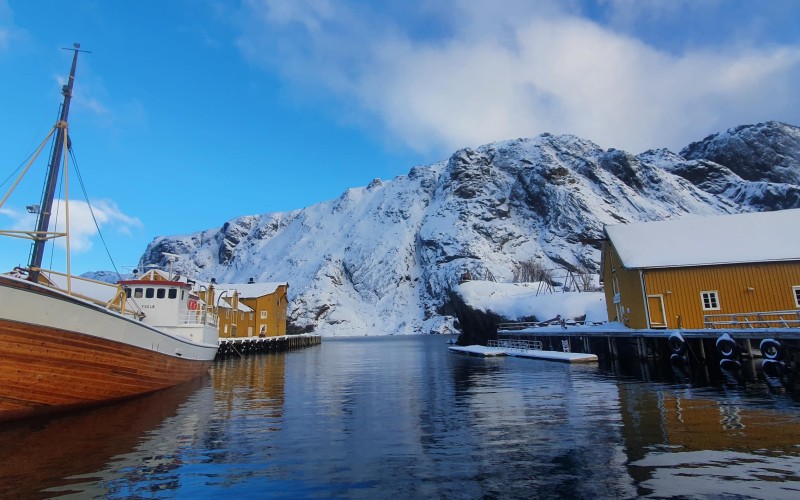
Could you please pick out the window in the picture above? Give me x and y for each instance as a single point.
(263, 314)
(137, 293)
(710, 300)
(796, 290)
(173, 293)
(161, 293)
(128, 292)
(149, 293)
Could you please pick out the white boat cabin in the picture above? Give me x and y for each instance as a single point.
(165, 300)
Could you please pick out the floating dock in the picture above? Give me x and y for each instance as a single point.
(477, 350)
(564, 357)
(523, 349)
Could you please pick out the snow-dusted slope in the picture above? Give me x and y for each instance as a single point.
(383, 258)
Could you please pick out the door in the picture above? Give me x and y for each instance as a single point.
(655, 307)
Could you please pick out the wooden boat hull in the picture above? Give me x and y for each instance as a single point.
(58, 352)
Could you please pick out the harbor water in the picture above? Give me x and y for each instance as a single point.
(402, 417)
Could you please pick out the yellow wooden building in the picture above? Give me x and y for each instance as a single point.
(249, 309)
(672, 273)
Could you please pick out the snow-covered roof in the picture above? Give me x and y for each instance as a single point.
(241, 307)
(515, 301)
(704, 241)
(248, 290)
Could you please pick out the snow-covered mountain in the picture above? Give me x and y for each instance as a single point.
(382, 259)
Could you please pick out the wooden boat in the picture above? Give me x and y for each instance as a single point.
(68, 342)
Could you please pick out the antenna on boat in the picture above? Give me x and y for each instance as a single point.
(43, 220)
(171, 258)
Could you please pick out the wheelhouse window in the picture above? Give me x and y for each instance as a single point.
(710, 300)
(161, 293)
(149, 293)
(796, 290)
(173, 293)
(128, 292)
(137, 293)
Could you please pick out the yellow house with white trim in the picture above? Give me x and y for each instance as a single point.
(250, 309)
(672, 273)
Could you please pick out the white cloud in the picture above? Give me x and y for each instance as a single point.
(492, 73)
(83, 231)
(10, 34)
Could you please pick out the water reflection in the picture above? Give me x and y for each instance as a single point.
(43, 456)
(722, 473)
(400, 416)
(711, 441)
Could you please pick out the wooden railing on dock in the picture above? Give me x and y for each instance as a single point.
(517, 344)
(523, 325)
(771, 319)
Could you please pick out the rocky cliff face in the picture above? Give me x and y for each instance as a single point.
(382, 259)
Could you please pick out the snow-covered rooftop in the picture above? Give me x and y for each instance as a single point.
(248, 290)
(703, 241)
(515, 301)
(241, 306)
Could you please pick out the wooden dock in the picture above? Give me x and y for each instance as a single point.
(523, 349)
(244, 346)
(477, 350)
(730, 346)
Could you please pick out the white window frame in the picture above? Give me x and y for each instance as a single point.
(713, 297)
(796, 290)
(263, 314)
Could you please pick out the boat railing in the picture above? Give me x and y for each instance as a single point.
(517, 344)
(769, 319)
(53, 280)
(200, 316)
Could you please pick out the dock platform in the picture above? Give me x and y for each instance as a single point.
(564, 357)
(243, 346)
(477, 350)
(523, 351)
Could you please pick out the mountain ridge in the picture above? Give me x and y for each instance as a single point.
(382, 259)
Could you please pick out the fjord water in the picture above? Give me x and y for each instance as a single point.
(402, 417)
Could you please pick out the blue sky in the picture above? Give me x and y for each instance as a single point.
(188, 113)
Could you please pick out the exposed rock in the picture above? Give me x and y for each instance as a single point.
(382, 259)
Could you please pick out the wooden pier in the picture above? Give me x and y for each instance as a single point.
(244, 346)
(729, 347)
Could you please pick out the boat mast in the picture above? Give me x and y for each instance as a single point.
(43, 221)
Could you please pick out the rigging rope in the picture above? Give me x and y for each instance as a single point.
(91, 210)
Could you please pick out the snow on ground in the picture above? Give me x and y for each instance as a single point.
(515, 301)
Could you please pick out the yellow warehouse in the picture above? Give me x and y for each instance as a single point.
(673, 273)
